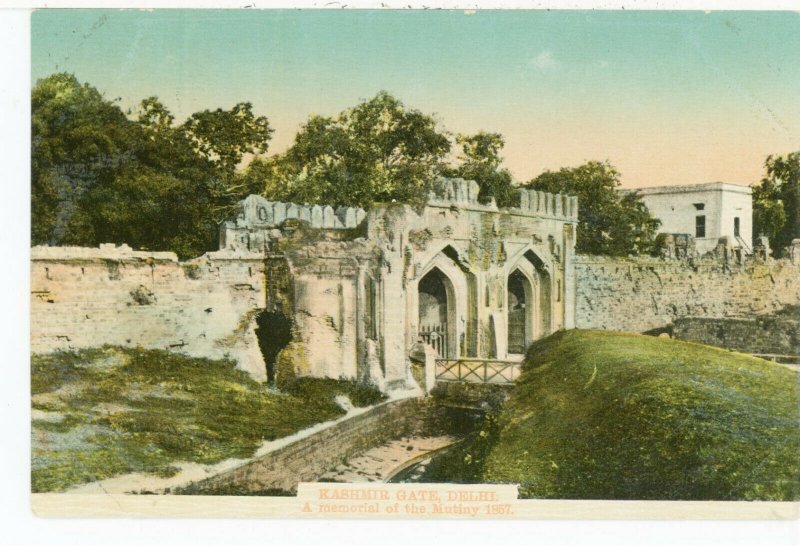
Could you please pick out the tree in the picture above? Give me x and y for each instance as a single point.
(78, 140)
(376, 151)
(224, 136)
(609, 221)
(776, 201)
(99, 176)
(481, 162)
(152, 210)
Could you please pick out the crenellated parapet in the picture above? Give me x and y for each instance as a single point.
(464, 193)
(258, 221)
(551, 205)
(255, 211)
(455, 191)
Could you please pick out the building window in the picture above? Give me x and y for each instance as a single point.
(700, 226)
(736, 227)
(699, 206)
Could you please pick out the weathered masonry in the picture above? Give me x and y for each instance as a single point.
(324, 292)
(462, 286)
(205, 307)
(361, 290)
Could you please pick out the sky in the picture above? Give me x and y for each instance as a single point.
(666, 97)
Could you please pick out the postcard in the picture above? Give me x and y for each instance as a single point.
(406, 264)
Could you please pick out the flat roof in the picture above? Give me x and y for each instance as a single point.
(691, 188)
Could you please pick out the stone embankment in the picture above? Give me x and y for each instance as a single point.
(310, 458)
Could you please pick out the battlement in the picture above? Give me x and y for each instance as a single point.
(551, 205)
(460, 192)
(255, 211)
(455, 191)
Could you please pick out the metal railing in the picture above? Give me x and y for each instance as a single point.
(435, 335)
(477, 370)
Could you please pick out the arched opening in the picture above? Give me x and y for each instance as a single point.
(274, 333)
(518, 302)
(437, 314)
(544, 296)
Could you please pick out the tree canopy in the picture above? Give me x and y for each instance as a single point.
(776, 201)
(610, 222)
(101, 176)
(480, 161)
(376, 151)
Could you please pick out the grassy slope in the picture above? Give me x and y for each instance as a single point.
(618, 416)
(108, 411)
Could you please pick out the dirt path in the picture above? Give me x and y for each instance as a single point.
(380, 462)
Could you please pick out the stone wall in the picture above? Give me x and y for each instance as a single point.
(642, 294)
(769, 335)
(83, 297)
(307, 459)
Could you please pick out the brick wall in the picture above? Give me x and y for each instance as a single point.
(83, 297)
(641, 294)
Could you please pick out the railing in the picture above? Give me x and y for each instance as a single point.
(477, 370)
(435, 335)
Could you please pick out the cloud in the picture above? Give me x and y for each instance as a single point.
(544, 60)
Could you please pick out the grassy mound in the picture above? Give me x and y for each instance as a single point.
(102, 412)
(601, 415)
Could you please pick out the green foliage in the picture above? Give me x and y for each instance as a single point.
(224, 136)
(152, 210)
(98, 176)
(609, 222)
(124, 410)
(776, 201)
(360, 394)
(480, 161)
(78, 140)
(599, 415)
(465, 461)
(376, 151)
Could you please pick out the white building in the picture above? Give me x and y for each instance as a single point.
(706, 211)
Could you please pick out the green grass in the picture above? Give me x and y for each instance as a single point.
(111, 410)
(599, 415)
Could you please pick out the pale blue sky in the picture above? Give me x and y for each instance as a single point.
(667, 97)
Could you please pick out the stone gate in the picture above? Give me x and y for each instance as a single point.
(361, 290)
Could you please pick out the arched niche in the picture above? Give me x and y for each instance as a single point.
(529, 309)
(519, 292)
(441, 304)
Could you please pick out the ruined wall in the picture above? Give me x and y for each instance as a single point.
(641, 294)
(82, 297)
(769, 335)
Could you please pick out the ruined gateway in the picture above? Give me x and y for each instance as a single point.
(351, 294)
(309, 290)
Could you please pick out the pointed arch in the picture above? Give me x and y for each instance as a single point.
(528, 278)
(440, 290)
(519, 293)
(466, 297)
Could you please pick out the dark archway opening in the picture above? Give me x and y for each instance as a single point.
(433, 312)
(274, 332)
(517, 304)
(543, 281)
